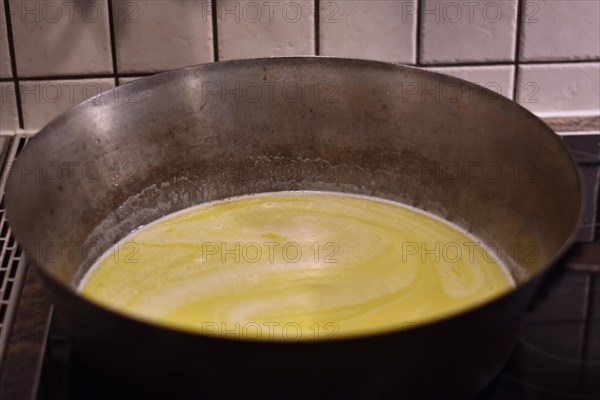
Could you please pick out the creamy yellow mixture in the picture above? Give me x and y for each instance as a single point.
(296, 266)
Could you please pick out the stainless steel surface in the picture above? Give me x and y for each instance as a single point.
(218, 130)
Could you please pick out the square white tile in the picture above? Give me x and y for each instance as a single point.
(250, 29)
(470, 31)
(42, 101)
(382, 30)
(560, 30)
(5, 66)
(9, 122)
(498, 78)
(160, 35)
(560, 89)
(61, 38)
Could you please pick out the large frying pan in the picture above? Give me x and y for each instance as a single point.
(157, 145)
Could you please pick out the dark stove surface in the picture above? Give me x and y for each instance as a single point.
(557, 355)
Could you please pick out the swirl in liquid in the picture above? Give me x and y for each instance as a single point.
(296, 266)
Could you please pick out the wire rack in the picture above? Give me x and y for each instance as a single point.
(12, 260)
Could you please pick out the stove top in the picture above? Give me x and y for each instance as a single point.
(557, 355)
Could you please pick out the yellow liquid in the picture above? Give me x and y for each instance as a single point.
(296, 266)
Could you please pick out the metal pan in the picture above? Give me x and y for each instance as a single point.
(170, 141)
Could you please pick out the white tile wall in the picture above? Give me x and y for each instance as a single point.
(469, 31)
(161, 35)
(5, 67)
(44, 100)
(499, 78)
(378, 29)
(560, 30)
(8, 108)
(560, 89)
(250, 28)
(71, 43)
(55, 38)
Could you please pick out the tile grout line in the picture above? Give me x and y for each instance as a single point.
(81, 77)
(518, 33)
(13, 63)
(317, 31)
(576, 61)
(215, 30)
(419, 13)
(497, 63)
(467, 64)
(148, 73)
(112, 36)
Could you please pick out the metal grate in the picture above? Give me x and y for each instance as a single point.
(12, 260)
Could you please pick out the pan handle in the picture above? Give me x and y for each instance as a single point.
(581, 257)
